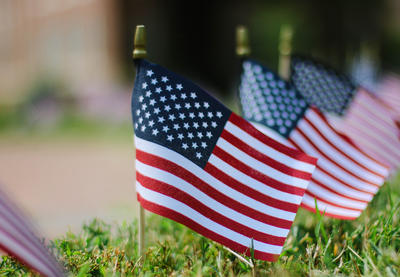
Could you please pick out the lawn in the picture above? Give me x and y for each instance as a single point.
(316, 246)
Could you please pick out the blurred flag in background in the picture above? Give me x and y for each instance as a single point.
(353, 110)
(346, 178)
(389, 94)
(18, 239)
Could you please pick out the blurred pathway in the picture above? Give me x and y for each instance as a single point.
(63, 183)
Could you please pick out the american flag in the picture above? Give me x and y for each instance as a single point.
(346, 178)
(353, 110)
(203, 166)
(18, 240)
(389, 94)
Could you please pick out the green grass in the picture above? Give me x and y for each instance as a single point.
(316, 246)
(70, 126)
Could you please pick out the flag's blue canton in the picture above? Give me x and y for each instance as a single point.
(175, 113)
(269, 100)
(322, 86)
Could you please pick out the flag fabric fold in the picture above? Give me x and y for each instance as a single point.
(18, 240)
(203, 166)
(388, 92)
(346, 178)
(353, 110)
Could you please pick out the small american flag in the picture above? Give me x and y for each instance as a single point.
(389, 94)
(353, 110)
(346, 178)
(18, 240)
(203, 166)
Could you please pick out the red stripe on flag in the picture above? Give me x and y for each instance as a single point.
(334, 146)
(246, 190)
(171, 214)
(332, 203)
(187, 199)
(29, 242)
(331, 175)
(383, 153)
(223, 155)
(312, 209)
(32, 252)
(250, 129)
(23, 236)
(182, 173)
(322, 185)
(324, 154)
(357, 147)
(263, 158)
(360, 119)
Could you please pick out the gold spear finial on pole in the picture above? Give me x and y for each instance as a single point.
(139, 45)
(242, 42)
(140, 52)
(285, 50)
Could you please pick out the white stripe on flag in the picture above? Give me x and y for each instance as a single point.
(171, 155)
(206, 200)
(374, 107)
(368, 118)
(334, 197)
(18, 239)
(322, 206)
(335, 185)
(367, 143)
(187, 211)
(19, 250)
(335, 155)
(269, 132)
(345, 179)
(269, 151)
(265, 169)
(247, 180)
(347, 147)
(329, 166)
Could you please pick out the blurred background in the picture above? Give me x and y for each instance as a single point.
(66, 75)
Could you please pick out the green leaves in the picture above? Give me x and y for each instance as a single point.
(320, 224)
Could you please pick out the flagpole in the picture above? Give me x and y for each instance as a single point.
(242, 42)
(285, 50)
(140, 52)
(243, 50)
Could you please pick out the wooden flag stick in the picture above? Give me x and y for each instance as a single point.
(139, 52)
(285, 50)
(242, 42)
(243, 51)
(249, 263)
